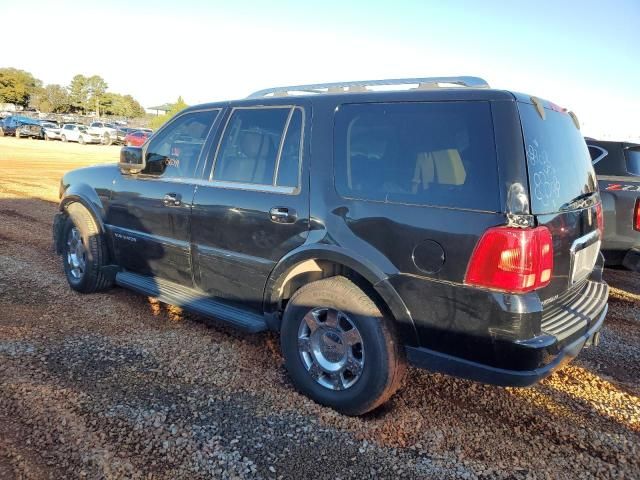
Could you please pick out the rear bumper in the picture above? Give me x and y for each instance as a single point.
(550, 348)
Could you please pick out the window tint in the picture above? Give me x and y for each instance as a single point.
(250, 144)
(437, 153)
(175, 150)
(632, 156)
(289, 165)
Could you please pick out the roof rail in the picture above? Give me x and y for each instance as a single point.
(361, 86)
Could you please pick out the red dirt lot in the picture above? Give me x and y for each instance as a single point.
(115, 385)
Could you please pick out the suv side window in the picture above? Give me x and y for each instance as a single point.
(256, 149)
(435, 153)
(175, 151)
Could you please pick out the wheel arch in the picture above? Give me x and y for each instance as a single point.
(88, 197)
(322, 261)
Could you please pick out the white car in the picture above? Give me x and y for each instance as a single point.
(107, 133)
(71, 132)
(51, 131)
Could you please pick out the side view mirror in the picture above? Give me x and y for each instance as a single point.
(131, 160)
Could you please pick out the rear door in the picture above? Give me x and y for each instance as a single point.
(563, 192)
(254, 208)
(149, 214)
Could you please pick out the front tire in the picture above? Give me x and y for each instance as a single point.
(107, 140)
(84, 252)
(17, 133)
(81, 140)
(1, 132)
(339, 348)
(63, 138)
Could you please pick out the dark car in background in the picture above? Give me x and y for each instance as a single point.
(617, 165)
(448, 225)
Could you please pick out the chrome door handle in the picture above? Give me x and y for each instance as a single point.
(282, 215)
(172, 200)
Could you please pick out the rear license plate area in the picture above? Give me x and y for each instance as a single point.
(584, 254)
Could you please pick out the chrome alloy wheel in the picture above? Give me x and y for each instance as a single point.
(76, 254)
(331, 348)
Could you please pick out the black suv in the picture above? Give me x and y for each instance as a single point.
(449, 226)
(617, 165)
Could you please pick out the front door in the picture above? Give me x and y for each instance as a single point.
(149, 213)
(255, 207)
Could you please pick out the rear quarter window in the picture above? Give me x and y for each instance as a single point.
(424, 153)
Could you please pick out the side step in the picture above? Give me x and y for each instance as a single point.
(193, 300)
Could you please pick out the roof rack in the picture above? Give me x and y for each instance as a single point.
(361, 86)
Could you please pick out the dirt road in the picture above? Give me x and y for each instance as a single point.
(117, 386)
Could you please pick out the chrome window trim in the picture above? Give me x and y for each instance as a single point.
(253, 187)
(282, 140)
(260, 187)
(603, 153)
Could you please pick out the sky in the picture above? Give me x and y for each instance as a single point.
(583, 55)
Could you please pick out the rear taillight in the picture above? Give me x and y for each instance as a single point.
(511, 259)
(636, 216)
(600, 218)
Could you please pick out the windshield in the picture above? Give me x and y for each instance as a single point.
(632, 155)
(558, 160)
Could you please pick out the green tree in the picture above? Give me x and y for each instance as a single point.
(79, 93)
(157, 122)
(133, 107)
(17, 86)
(56, 98)
(96, 89)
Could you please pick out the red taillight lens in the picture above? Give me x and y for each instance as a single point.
(636, 216)
(512, 259)
(600, 218)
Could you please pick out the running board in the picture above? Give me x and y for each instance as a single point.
(193, 300)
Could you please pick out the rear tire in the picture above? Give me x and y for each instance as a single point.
(349, 358)
(63, 138)
(1, 132)
(81, 140)
(84, 252)
(107, 139)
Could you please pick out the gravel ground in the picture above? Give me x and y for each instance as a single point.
(115, 385)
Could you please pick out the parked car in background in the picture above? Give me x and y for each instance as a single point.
(51, 130)
(137, 138)
(72, 132)
(107, 132)
(20, 126)
(617, 165)
(121, 133)
(31, 129)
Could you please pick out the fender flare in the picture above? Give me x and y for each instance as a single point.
(88, 197)
(361, 265)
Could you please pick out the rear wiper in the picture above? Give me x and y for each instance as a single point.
(580, 201)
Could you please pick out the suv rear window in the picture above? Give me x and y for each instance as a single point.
(558, 160)
(632, 156)
(435, 153)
